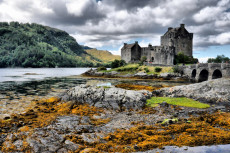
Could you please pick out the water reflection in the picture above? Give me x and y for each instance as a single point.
(198, 149)
(30, 74)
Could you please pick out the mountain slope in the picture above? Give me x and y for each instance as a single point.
(105, 56)
(34, 45)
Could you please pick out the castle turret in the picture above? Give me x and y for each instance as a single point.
(182, 25)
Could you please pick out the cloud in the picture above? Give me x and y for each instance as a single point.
(100, 23)
(204, 59)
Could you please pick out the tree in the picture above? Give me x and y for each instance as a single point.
(143, 59)
(184, 59)
(117, 63)
(219, 59)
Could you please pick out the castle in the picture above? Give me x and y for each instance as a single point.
(175, 40)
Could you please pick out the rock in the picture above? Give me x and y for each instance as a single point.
(90, 137)
(164, 104)
(49, 140)
(71, 146)
(2, 138)
(18, 144)
(67, 124)
(164, 74)
(143, 75)
(90, 72)
(5, 116)
(98, 74)
(85, 120)
(209, 91)
(140, 74)
(35, 145)
(110, 98)
(62, 150)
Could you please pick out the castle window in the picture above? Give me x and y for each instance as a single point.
(152, 59)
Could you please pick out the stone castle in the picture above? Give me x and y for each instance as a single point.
(175, 40)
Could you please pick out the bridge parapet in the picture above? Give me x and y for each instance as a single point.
(207, 71)
(225, 65)
(202, 65)
(214, 65)
(193, 66)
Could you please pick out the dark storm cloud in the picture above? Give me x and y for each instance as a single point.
(61, 15)
(130, 4)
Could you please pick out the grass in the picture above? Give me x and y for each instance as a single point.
(152, 69)
(103, 55)
(135, 68)
(182, 101)
(126, 68)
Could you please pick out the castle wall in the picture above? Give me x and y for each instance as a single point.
(183, 45)
(179, 38)
(131, 53)
(126, 55)
(159, 55)
(135, 53)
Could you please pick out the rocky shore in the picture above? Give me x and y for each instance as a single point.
(89, 118)
(213, 91)
(138, 75)
(107, 97)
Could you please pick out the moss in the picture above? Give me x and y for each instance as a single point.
(24, 129)
(45, 111)
(99, 121)
(201, 130)
(182, 101)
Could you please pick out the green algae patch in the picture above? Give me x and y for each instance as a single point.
(181, 101)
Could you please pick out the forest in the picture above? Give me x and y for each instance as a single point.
(34, 45)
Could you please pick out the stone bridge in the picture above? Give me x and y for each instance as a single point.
(207, 71)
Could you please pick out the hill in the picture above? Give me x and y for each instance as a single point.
(34, 45)
(103, 55)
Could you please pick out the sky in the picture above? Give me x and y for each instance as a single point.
(107, 24)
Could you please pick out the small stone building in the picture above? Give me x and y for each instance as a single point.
(175, 40)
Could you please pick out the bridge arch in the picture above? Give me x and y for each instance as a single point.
(203, 76)
(216, 74)
(193, 73)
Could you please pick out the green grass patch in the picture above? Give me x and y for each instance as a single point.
(181, 101)
(126, 68)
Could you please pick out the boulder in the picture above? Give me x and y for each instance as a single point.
(110, 98)
(208, 91)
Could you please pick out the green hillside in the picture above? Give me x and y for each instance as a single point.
(34, 45)
(103, 55)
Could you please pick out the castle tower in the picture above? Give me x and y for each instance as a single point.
(179, 38)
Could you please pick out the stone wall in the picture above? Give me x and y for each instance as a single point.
(158, 55)
(126, 55)
(135, 53)
(131, 53)
(179, 38)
